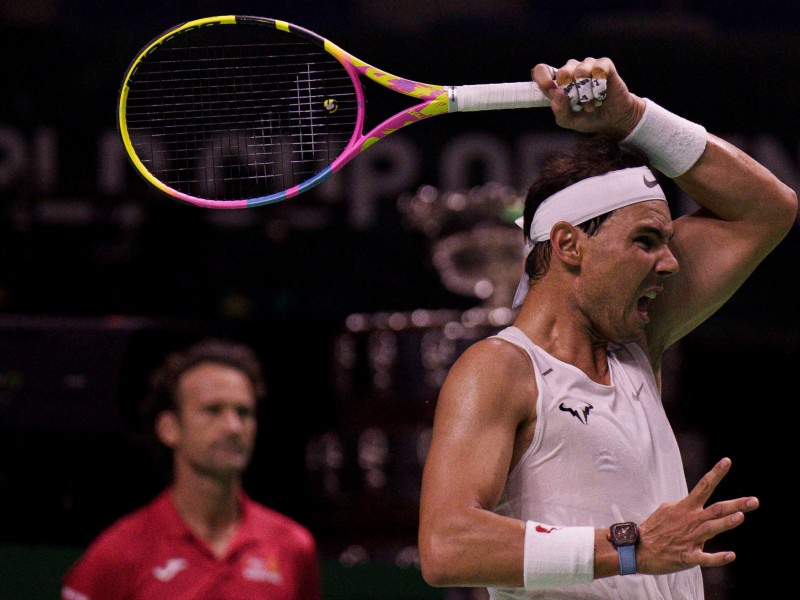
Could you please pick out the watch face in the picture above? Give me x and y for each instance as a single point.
(624, 534)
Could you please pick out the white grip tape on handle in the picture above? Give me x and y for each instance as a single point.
(496, 96)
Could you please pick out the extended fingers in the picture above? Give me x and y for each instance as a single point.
(706, 486)
(729, 507)
(714, 527)
(724, 516)
(712, 559)
(672, 538)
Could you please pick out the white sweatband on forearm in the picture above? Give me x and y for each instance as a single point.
(671, 143)
(557, 556)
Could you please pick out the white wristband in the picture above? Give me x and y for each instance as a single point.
(671, 143)
(557, 556)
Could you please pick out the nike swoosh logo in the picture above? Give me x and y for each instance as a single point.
(648, 183)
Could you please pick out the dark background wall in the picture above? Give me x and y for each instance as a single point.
(337, 290)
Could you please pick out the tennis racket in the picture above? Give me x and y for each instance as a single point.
(240, 111)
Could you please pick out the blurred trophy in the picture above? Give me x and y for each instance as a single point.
(475, 245)
(388, 368)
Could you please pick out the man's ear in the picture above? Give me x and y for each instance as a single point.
(565, 241)
(167, 428)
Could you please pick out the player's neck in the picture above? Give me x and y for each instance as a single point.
(553, 324)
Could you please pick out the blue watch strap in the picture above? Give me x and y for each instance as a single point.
(627, 560)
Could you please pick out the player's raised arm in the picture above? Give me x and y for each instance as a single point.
(745, 209)
(745, 212)
(552, 463)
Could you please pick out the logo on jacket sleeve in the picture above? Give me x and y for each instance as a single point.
(577, 408)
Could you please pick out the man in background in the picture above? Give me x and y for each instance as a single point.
(202, 537)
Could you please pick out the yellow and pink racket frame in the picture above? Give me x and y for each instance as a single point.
(434, 102)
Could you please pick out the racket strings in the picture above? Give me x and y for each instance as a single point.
(235, 119)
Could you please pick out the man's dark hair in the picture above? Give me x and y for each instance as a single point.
(163, 385)
(591, 157)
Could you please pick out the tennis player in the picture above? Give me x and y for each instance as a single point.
(202, 538)
(553, 471)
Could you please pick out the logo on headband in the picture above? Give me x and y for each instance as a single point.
(649, 183)
(592, 197)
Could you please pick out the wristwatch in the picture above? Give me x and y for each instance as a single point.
(624, 537)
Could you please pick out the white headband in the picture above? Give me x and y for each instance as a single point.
(587, 199)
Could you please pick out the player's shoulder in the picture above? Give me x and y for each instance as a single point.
(493, 375)
(496, 357)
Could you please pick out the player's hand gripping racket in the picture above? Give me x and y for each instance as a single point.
(233, 112)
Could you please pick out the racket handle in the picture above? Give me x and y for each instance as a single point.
(495, 96)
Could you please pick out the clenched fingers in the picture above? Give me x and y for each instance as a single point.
(584, 82)
(545, 77)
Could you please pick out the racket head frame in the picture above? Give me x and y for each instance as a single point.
(434, 101)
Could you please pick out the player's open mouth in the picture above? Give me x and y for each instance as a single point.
(644, 302)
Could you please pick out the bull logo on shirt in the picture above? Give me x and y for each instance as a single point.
(577, 408)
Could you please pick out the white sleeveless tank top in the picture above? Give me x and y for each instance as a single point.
(599, 455)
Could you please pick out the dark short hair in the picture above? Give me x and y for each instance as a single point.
(163, 384)
(590, 157)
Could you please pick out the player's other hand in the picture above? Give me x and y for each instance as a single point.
(672, 538)
(589, 96)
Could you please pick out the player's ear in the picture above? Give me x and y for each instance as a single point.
(565, 240)
(167, 428)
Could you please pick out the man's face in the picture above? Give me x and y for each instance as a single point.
(627, 261)
(216, 420)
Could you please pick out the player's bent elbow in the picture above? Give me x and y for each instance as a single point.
(438, 574)
(790, 201)
(784, 213)
(432, 573)
(434, 562)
